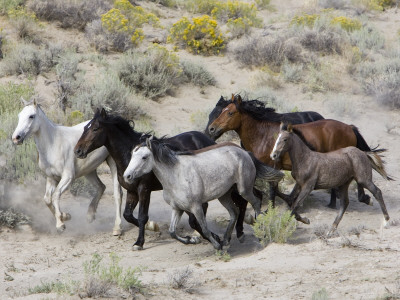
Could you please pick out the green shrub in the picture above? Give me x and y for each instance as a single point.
(292, 72)
(11, 218)
(336, 4)
(70, 13)
(28, 59)
(262, 3)
(107, 91)
(154, 73)
(114, 273)
(24, 22)
(321, 294)
(201, 35)
(6, 5)
(367, 39)
(197, 74)
(274, 226)
(272, 51)
(238, 27)
(53, 287)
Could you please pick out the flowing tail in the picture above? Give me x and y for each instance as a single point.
(377, 164)
(362, 144)
(265, 172)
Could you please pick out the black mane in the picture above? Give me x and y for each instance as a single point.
(257, 110)
(120, 122)
(162, 151)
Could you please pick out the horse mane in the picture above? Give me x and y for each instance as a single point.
(257, 110)
(120, 122)
(163, 151)
(299, 134)
(222, 102)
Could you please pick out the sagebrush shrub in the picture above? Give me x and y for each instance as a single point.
(70, 13)
(336, 4)
(201, 35)
(24, 22)
(197, 74)
(273, 51)
(28, 59)
(367, 38)
(154, 73)
(274, 226)
(6, 5)
(346, 23)
(238, 27)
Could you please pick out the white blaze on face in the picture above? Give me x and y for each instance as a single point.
(24, 122)
(140, 163)
(276, 143)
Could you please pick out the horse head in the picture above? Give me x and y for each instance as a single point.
(27, 121)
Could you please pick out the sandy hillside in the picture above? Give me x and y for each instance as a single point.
(361, 262)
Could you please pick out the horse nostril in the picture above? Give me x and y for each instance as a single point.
(129, 177)
(212, 129)
(18, 137)
(78, 151)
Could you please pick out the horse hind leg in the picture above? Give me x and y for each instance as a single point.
(117, 230)
(227, 202)
(196, 226)
(94, 179)
(362, 197)
(370, 186)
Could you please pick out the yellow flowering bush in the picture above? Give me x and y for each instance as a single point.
(201, 35)
(126, 19)
(346, 23)
(24, 22)
(305, 20)
(232, 10)
(381, 4)
(238, 27)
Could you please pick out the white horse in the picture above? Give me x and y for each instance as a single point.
(55, 145)
(192, 178)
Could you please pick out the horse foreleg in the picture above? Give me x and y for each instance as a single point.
(196, 226)
(132, 200)
(175, 218)
(362, 197)
(60, 217)
(143, 215)
(50, 187)
(344, 203)
(227, 202)
(100, 188)
(304, 191)
(117, 230)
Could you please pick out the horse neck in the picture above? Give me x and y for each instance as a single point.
(45, 135)
(257, 136)
(120, 145)
(164, 173)
(299, 152)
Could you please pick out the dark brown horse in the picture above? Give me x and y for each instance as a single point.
(336, 169)
(258, 128)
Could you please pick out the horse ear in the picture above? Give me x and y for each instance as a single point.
(233, 97)
(34, 102)
(103, 113)
(290, 128)
(23, 101)
(239, 99)
(282, 127)
(148, 142)
(132, 124)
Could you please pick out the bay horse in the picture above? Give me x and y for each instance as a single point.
(314, 170)
(192, 178)
(258, 126)
(55, 144)
(117, 135)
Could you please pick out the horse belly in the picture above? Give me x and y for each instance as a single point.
(333, 175)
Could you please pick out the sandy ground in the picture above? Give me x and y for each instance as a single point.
(347, 266)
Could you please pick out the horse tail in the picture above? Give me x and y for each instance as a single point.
(265, 172)
(362, 144)
(377, 164)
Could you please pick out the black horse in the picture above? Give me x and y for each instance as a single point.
(117, 135)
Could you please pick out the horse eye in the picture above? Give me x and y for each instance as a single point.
(230, 113)
(95, 129)
(285, 140)
(144, 157)
(31, 116)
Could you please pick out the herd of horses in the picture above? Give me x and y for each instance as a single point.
(192, 169)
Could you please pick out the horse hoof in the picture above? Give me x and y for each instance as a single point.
(65, 216)
(90, 218)
(241, 238)
(249, 219)
(194, 240)
(371, 202)
(306, 221)
(332, 206)
(137, 248)
(117, 232)
(153, 226)
(61, 228)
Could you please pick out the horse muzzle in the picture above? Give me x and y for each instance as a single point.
(214, 132)
(129, 178)
(79, 153)
(275, 156)
(18, 140)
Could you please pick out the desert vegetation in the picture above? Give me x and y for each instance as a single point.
(164, 64)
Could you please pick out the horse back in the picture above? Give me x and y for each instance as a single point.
(327, 135)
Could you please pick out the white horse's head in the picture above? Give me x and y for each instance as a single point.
(27, 123)
(142, 162)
